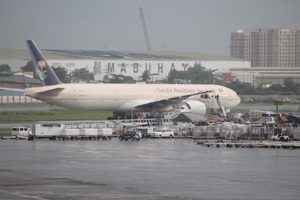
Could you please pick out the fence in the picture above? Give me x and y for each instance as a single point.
(17, 99)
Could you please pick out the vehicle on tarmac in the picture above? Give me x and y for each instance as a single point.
(21, 132)
(280, 138)
(164, 133)
(130, 135)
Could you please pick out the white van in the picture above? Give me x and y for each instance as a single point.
(166, 133)
(21, 131)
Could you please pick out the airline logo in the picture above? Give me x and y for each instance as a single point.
(40, 72)
(41, 64)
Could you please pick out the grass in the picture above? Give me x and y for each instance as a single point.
(5, 132)
(52, 115)
(14, 105)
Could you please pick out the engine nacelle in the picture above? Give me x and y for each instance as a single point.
(193, 106)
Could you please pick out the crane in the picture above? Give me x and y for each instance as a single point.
(145, 30)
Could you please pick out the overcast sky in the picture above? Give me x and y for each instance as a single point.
(175, 25)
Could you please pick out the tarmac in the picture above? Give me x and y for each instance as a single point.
(150, 169)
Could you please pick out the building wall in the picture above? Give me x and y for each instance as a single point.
(262, 75)
(135, 68)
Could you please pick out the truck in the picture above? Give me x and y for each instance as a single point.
(49, 130)
(105, 133)
(21, 132)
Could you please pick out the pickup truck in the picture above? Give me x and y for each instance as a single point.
(165, 133)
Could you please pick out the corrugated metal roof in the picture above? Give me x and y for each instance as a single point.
(22, 54)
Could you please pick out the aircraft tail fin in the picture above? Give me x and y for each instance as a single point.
(43, 70)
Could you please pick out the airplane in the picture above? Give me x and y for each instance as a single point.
(125, 97)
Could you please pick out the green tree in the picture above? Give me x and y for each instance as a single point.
(275, 88)
(29, 67)
(146, 76)
(196, 75)
(199, 75)
(289, 84)
(81, 74)
(5, 68)
(241, 88)
(62, 74)
(115, 78)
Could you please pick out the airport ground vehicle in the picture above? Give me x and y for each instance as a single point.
(21, 132)
(163, 133)
(280, 138)
(130, 135)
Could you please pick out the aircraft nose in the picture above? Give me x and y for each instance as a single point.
(237, 100)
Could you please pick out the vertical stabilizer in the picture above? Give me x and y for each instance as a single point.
(43, 70)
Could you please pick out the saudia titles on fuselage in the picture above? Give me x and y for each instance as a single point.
(178, 90)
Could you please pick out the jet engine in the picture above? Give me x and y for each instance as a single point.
(193, 106)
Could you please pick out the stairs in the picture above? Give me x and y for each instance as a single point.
(217, 106)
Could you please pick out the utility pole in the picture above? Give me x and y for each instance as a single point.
(148, 46)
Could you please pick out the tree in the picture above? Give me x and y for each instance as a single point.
(29, 67)
(5, 68)
(81, 74)
(62, 74)
(289, 84)
(115, 78)
(146, 76)
(241, 88)
(199, 75)
(195, 75)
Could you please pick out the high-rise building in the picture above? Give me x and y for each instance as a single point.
(267, 47)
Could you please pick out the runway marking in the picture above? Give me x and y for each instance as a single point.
(23, 195)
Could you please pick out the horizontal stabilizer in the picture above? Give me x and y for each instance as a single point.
(53, 91)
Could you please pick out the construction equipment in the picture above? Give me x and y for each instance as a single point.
(148, 46)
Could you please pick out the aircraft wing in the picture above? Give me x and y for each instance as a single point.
(170, 101)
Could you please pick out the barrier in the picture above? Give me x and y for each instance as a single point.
(17, 99)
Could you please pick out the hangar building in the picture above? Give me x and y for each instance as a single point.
(125, 63)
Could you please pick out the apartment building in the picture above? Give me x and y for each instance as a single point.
(267, 47)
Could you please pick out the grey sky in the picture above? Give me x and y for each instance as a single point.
(176, 25)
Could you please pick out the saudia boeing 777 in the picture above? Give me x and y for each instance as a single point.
(124, 97)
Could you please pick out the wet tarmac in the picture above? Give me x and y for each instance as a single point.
(148, 169)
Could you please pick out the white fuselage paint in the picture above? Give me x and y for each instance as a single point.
(126, 97)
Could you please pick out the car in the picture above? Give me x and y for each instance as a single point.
(130, 135)
(164, 133)
(280, 138)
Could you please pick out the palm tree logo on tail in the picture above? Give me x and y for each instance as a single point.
(40, 71)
